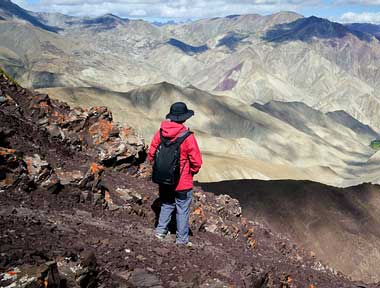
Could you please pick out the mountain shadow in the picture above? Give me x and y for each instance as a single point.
(372, 29)
(105, 22)
(305, 29)
(186, 48)
(341, 225)
(345, 119)
(231, 40)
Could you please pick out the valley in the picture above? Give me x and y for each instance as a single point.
(225, 66)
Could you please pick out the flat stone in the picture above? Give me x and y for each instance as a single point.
(142, 278)
(69, 177)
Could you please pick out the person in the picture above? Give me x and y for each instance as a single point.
(177, 197)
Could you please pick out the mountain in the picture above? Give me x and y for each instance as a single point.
(159, 24)
(202, 31)
(372, 29)
(275, 141)
(347, 120)
(306, 119)
(305, 29)
(102, 23)
(226, 64)
(77, 209)
(11, 11)
(340, 226)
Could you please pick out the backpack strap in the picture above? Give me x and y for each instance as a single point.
(182, 137)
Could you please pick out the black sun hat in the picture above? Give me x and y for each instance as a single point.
(179, 112)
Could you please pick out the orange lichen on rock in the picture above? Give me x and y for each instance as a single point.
(107, 198)
(96, 168)
(44, 104)
(101, 130)
(251, 243)
(235, 231)
(29, 165)
(290, 280)
(61, 118)
(125, 132)
(312, 286)
(6, 151)
(199, 211)
(249, 232)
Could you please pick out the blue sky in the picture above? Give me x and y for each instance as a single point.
(179, 10)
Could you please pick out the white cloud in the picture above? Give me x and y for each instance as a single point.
(175, 9)
(22, 3)
(138, 12)
(365, 17)
(359, 2)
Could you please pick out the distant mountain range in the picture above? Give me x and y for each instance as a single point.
(278, 140)
(10, 11)
(235, 71)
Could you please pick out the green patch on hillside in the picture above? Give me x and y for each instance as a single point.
(3, 72)
(375, 144)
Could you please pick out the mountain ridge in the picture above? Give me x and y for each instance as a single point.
(9, 10)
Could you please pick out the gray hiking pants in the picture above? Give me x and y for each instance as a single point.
(180, 201)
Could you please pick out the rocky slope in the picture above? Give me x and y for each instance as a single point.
(77, 211)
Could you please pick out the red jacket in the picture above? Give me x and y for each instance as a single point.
(190, 158)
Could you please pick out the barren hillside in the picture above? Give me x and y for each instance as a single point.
(275, 141)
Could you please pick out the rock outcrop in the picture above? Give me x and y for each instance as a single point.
(38, 128)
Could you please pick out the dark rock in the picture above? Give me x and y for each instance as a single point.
(44, 275)
(142, 278)
(86, 277)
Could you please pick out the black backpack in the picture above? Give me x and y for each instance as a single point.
(166, 167)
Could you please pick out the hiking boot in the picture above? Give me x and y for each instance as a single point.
(160, 236)
(188, 244)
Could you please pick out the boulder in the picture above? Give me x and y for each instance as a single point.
(41, 173)
(45, 275)
(142, 278)
(129, 196)
(38, 169)
(69, 177)
(12, 168)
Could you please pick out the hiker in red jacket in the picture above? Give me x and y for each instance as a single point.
(179, 195)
